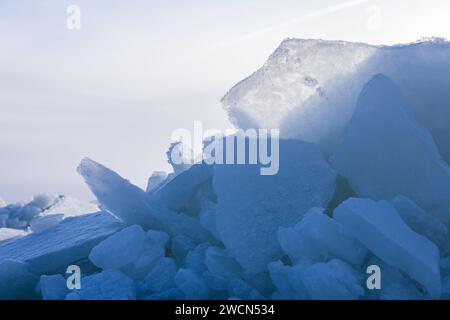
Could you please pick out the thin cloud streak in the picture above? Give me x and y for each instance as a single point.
(308, 17)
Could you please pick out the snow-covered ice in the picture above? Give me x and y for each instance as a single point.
(380, 228)
(43, 223)
(7, 233)
(71, 207)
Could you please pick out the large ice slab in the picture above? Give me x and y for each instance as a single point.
(319, 238)
(385, 152)
(309, 88)
(51, 251)
(252, 207)
(380, 228)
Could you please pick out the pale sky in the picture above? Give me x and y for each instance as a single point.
(137, 70)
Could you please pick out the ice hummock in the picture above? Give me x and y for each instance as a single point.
(308, 88)
(226, 232)
(385, 152)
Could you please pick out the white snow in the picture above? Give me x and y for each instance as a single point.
(380, 228)
(42, 212)
(252, 207)
(71, 207)
(7, 233)
(42, 223)
(385, 152)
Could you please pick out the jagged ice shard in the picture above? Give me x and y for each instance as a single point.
(385, 152)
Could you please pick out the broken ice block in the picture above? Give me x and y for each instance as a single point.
(119, 249)
(422, 222)
(252, 207)
(319, 238)
(379, 227)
